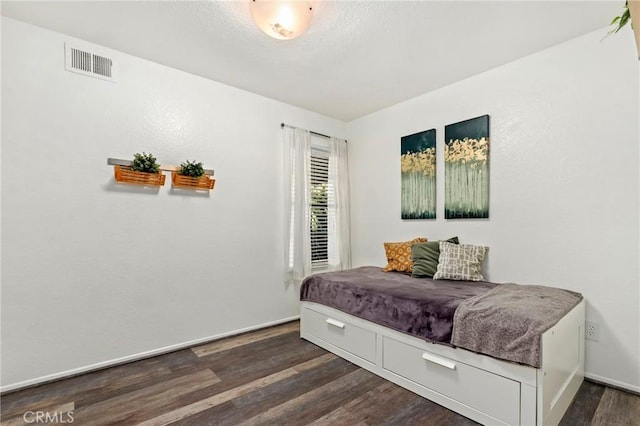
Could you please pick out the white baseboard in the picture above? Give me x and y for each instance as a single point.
(613, 383)
(136, 357)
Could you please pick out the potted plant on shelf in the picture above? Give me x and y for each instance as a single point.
(191, 175)
(145, 163)
(144, 170)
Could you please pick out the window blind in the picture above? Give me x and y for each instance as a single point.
(319, 200)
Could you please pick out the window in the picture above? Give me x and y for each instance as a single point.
(316, 197)
(319, 209)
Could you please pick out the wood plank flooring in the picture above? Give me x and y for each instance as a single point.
(266, 377)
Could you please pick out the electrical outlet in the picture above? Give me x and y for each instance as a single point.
(591, 331)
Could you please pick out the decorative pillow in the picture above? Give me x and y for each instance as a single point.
(460, 262)
(425, 257)
(399, 255)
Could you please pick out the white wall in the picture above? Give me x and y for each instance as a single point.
(564, 182)
(93, 271)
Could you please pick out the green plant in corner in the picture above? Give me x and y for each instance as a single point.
(191, 169)
(145, 163)
(622, 20)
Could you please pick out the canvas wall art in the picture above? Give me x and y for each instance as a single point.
(466, 169)
(418, 175)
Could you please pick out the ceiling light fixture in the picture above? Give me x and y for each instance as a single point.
(283, 20)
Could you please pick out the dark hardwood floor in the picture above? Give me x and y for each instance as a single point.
(269, 377)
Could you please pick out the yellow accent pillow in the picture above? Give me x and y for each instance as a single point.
(399, 255)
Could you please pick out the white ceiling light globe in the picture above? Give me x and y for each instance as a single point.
(282, 20)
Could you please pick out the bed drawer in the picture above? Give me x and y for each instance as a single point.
(340, 333)
(494, 395)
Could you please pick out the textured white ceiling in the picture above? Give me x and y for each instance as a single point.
(357, 57)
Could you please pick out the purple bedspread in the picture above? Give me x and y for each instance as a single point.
(421, 307)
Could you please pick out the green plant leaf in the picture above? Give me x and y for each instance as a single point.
(620, 21)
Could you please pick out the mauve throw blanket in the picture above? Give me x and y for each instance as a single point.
(507, 322)
(421, 307)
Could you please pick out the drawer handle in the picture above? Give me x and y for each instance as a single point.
(440, 361)
(335, 323)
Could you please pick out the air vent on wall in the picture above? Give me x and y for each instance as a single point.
(87, 62)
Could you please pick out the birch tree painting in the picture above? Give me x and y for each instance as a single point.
(418, 175)
(466, 169)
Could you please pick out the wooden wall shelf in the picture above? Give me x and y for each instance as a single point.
(124, 174)
(202, 183)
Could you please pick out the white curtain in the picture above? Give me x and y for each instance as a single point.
(297, 193)
(339, 216)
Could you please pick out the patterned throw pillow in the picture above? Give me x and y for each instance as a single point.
(399, 255)
(460, 262)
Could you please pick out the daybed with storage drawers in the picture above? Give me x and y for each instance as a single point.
(378, 327)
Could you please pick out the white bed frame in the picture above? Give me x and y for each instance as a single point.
(482, 388)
